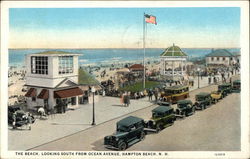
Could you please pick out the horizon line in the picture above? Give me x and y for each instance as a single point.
(134, 48)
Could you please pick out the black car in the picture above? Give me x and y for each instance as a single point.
(129, 131)
(162, 103)
(236, 86)
(185, 108)
(162, 117)
(20, 115)
(203, 100)
(225, 89)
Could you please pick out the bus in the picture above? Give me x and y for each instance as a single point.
(175, 93)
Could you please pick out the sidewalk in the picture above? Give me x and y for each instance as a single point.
(73, 121)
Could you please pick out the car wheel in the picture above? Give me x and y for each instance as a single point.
(142, 136)
(122, 146)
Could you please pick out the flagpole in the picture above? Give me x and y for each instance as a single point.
(144, 36)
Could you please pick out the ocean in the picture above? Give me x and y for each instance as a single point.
(106, 56)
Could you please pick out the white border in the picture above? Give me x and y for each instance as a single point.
(244, 153)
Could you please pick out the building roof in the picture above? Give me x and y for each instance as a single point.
(162, 109)
(220, 53)
(130, 120)
(84, 78)
(136, 66)
(173, 51)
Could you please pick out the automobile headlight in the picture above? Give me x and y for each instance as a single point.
(116, 139)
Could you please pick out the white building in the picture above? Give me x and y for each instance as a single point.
(52, 78)
(173, 63)
(221, 57)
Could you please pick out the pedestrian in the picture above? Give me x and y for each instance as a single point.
(29, 118)
(156, 95)
(41, 112)
(122, 98)
(215, 80)
(14, 120)
(103, 93)
(128, 99)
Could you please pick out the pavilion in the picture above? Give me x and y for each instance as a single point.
(173, 63)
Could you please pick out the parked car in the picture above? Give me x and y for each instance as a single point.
(129, 131)
(185, 108)
(162, 117)
(162, 103)
(203, 100)
(225, 89)
(11, 110)
(216, 96)
(236, 85)
(21, 117)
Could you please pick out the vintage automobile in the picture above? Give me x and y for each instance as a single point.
(129, 131)
(175, 93)
(225, 89)
(236, 86)
(162, 117)
(202, 100)
(21, 117)
(185, 108)
(216, 96)
(162, 103)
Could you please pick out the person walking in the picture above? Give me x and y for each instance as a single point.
(128, 99)
(122, 99)
(14, 120)
(29, 118)
(156, 95)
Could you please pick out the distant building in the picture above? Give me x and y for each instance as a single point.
(136, 68)
(52, 78)
(173, 63)
(222, 57)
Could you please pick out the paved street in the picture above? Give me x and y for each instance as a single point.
(76, 122)
(216, 128)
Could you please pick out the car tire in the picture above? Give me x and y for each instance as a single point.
(122, 146)
(142, 136)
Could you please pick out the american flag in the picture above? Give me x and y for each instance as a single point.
(150, 19)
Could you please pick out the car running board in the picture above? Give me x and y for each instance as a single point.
(133, 142)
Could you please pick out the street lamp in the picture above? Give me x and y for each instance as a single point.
(198, 69)
(93, 91)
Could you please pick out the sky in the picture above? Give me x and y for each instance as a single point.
(214, 27)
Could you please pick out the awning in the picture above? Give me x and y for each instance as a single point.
(31, 93)
(68, 93)
(44, 94)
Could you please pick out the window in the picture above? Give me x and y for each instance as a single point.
(212, 58)
(65, 64)
(223, 58)
(218, 58)
(39, 65)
